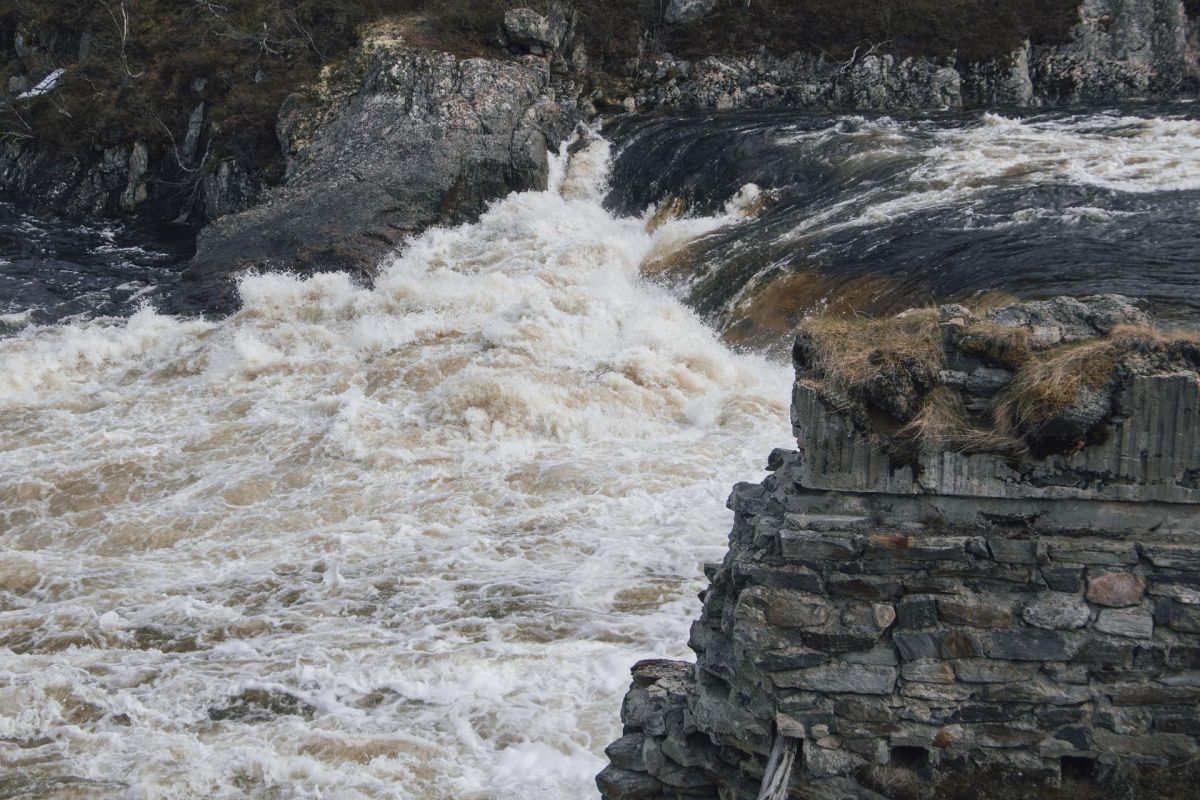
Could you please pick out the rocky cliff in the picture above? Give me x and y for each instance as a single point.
(417, 138)
(1119, 50)
(965, 625)
(398, 135)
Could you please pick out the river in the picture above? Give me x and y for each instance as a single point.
(405, 541)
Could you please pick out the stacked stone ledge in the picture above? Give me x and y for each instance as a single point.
(976, 622)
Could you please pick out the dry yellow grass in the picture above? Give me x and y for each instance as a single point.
(1010, 347)
(852, 356)
(1049, 383)
(860, 365)
(943, 423)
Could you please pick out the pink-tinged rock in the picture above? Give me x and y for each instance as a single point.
(1116, 590)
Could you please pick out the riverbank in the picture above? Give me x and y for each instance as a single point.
(305, 132)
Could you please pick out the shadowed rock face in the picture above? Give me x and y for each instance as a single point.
(974, 623)
(425, 139)
(1120, 50)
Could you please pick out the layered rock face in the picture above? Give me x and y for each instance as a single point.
(1120, 50)
(424, 138)
(123, 181)
(964, 622)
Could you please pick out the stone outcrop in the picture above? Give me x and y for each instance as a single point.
(681, 12)
(184, 183)
(422, 138)
(798, 81)
(118, 181)
(1120, 50)
(972, 622)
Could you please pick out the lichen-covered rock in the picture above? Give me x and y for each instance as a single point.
(1070, 319)
(679, 12)
(1121, 49)
(525, 27)
(425, 138)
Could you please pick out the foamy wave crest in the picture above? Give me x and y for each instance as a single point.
(958, 167)
(391, 542)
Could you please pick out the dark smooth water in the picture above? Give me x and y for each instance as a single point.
(881, 213)
(53, 269)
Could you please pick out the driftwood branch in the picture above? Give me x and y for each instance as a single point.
(779, 768)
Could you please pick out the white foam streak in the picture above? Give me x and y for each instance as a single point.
(1120, 154)
(396, 542)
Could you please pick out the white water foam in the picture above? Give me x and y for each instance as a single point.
(400, 542)
(1117, 153)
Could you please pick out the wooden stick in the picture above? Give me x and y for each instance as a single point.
(779, 769)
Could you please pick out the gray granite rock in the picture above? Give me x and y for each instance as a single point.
(1056, 611)
(1135, 624)
(679, 12)
(425, 138)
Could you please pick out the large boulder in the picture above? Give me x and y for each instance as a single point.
(424, 139)
(1121, 49)
(681, 12)
(525, 27)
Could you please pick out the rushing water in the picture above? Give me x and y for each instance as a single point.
(881, 214)
(405, 541)
(53, 270)
(399, 542)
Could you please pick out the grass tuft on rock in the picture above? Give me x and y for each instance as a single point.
(948, 380)
(1049, 383)
(860, 360)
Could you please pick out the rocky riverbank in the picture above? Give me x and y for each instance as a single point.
(399, 134)
(881, 627)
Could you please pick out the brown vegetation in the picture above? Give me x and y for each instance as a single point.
(972, 29)
(889, 375)
(867, 358)
(136, 69)
(1046, 385)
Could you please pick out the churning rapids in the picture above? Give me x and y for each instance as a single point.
(405, 541)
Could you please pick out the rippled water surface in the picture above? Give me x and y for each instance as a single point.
(53, 269)
(882, 213)
(405, 541)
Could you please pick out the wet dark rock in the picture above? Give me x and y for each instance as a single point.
(626, 752)
(425, 138)
(260, 705)
(622, 784)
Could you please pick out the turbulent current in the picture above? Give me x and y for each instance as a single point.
(405, 541)
(882, 214)
(392, 542)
